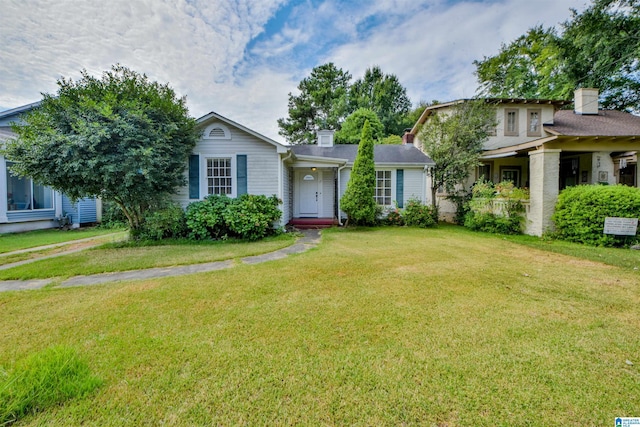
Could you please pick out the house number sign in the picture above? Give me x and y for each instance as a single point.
(620, 226)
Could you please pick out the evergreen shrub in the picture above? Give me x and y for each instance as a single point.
(581, 211)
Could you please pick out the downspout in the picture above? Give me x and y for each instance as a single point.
(281, 178)
(339, 216)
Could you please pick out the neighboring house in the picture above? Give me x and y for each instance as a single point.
(232, 159)
(25, 205)
(539, 146)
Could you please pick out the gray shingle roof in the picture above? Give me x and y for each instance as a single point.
(606, 123)
(392, 154)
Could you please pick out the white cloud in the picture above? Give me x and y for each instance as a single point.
(203, 47)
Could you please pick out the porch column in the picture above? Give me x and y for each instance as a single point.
(602, 168)
(544, 176)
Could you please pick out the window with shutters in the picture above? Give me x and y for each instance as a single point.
(219, 178)
(383, 188)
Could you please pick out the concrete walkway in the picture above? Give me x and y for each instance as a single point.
(309, 240)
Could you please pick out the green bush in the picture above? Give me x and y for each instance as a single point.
(394, 217)
(419, 215)
(168, 222)
(251, 217)
(42, 380)
(484, 215)
(248, 217)
(581, 211)
(205, 218)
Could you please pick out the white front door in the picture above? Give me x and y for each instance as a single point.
(308, 194)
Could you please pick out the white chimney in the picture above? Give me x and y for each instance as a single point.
(325, 138)
(586, 101)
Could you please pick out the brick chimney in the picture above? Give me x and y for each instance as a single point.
(407, 138)
(325, 138)
(586, 101)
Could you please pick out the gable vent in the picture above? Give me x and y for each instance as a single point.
(217, 133)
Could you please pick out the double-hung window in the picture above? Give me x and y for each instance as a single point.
(534, 127)
(383, 188)
(219, 179)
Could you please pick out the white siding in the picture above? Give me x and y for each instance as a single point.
(262, 163)
(328, 194)
(414, 187)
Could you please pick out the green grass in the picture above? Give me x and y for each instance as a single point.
(123, 257)
(391, 326)
(42, 380)
(625, 258)
(15, 241)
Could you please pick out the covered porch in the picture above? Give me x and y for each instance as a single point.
(549, 165)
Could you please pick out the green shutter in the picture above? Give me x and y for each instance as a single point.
(400, 188)
(241, 173)
(194, 176)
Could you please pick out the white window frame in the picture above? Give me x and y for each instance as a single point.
(381, 199)
(232, 176)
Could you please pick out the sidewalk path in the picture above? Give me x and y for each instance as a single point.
(309, 240)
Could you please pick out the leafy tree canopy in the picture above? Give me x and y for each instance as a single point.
(384, 95)
(122, 138)
(453, 139)
(599, 47)
(321, 104)
(327, 97)
(351, 130)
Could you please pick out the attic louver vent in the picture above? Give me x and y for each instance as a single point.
(217, 133)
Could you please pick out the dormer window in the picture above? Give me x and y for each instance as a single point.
(217, 131)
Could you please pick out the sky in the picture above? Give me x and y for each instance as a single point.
(242, 58)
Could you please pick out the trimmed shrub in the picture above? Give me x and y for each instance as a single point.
(419, 215)
(251, 217)
(489, 222)
(168, 222)
(248, 217)
(205, 218)
(581, 211)
(42, 380)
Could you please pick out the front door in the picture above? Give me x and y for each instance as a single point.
(309, 194)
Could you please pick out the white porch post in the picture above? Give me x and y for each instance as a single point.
(544, 173)
(3, 190)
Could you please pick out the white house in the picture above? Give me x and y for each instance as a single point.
(538, 145)
(232, 159)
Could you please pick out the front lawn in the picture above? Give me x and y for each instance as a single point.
(123, 257)
(15, 241)
(390, 326)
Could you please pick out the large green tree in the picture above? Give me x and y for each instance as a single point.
(321, 104)
(602, 49)
(351, 130)
(120, 137)
(599, 47)
(454, 139)
(358, 199)
(384, 95)
(531, 66)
